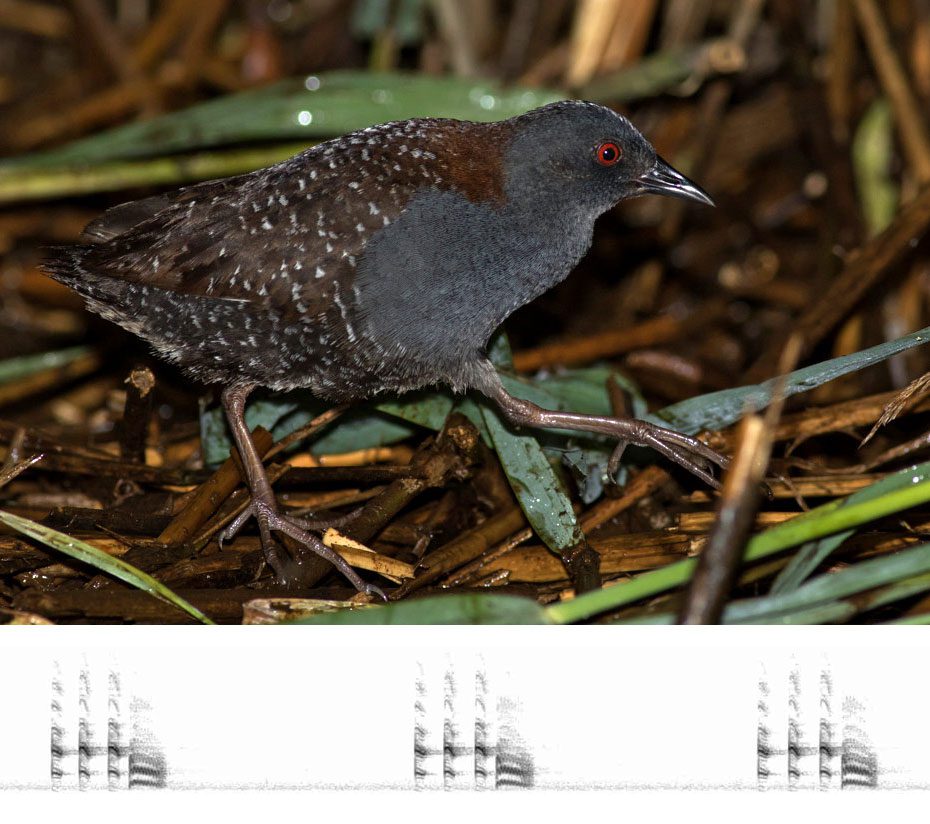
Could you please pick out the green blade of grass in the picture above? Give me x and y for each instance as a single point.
(817, 605)
(857, 593)
(717, 410)
(875, 572)
(22, 366)
(872, 158)
(80, 178)
(806, 560)
(913, 620)
(81, 551)
(862, 585)
(473, 608)
(897, 492)
(820, 614)
(812, 554)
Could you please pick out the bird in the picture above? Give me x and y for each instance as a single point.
(379, 262)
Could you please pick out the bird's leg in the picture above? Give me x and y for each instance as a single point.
(265, 507)
(692, 454)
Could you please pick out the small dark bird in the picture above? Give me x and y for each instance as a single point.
(379, 262)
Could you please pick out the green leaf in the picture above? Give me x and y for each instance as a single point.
(405, 21)
(13, 369)
(875, 572)
(884, 580)
(473, 608)
(81, 551)
(872, 155)
(539, 490)
(811, 607)
(813, 554)
(900, 491)
(361, 428)
(299, 108)
(584, 390)
(424, 409)
(810, 556)
(720, 409)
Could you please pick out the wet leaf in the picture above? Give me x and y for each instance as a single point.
(300, 108)
(720, 409)
(539, 490)
(81, 551)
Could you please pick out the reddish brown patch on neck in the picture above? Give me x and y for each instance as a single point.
(470, 158)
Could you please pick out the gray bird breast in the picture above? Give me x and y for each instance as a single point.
(433, 286)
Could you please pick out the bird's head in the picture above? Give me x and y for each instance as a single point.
(583, 153)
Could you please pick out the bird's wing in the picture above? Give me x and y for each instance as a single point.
(273, 238)
(120, 219)
(284, 237)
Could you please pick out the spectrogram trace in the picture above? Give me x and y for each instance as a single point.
(516, 709)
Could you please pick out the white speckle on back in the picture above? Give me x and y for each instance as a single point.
(345, 314)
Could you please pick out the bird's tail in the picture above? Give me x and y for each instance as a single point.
(72, 266)
(66, 265)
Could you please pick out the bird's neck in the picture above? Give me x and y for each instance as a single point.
(538, 249)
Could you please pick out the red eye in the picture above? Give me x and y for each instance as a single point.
(608, 153)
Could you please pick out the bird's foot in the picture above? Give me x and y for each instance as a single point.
(291, 571)
(234, 527)
(688, 452)
(694, 455)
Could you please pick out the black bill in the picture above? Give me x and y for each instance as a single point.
(662, 179)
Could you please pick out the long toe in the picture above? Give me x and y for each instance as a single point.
(235, 526)
(287, 526)
(686, 451)
(371, 589)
